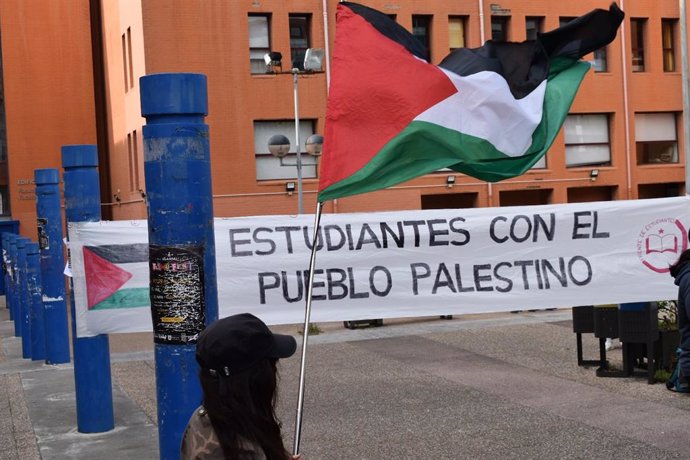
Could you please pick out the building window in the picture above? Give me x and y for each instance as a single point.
(656, 140)
(563, 20)
(421, 28)
(129, 56)
(456, 32)
(533, 26)
(300, 25)
(124, 62)
(133, 152)
(541, 164)
(127, 59)
(525, 197)
(601, 60)
(499, 28)
(637, 28)
(259, 42)
(269, 167)
(668, 33)
(587, 140)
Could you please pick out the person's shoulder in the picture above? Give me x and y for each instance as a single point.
(201, 419)
(682, 277)
(199, 440)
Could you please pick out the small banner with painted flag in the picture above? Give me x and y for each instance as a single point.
(109, 271)
(488, 112)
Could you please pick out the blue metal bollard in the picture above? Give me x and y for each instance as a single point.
(6, 272)
(178, 188)
(23, 291)
(14, 299)
(35, 298)
(92, 379)
(52, 261)
(9, 283)
(11, 227)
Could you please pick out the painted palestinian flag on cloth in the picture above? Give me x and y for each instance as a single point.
(116, 276)
(488, 112)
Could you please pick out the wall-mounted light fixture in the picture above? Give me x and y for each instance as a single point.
(593, 174)
(313, 60)
(273, 60)
(450, 181)
(290, 188)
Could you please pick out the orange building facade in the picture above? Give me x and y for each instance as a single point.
(71, 76)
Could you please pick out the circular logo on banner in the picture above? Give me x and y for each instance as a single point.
(660, 243)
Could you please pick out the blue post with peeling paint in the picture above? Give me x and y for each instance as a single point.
(16, 295)
(178, 188)
(92, 378)
(3, 242)
(35, 298)
(5, 249)
(24, 304)
(12, 287)
(6, 238)
(52, 261)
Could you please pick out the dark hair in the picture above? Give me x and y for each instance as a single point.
(683, 259)
(242, 407)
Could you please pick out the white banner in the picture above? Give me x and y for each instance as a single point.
(400, 264)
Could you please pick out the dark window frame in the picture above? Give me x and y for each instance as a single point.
(503, 23)
(424, 39)
(299, 32)
(638, 28)
(538, 26)
(668, 44)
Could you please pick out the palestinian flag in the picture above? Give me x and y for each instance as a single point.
(489, 112)
(116, 276)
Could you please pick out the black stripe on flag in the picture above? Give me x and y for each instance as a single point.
(122, 253)
(526, 64)
(389, 28)
(583, 35)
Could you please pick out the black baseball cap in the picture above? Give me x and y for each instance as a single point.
(236, 343)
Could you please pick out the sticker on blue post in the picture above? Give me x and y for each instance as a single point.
(177, 293)
(43, 241)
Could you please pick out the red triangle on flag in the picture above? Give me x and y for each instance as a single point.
(377, 88)
(103, 278)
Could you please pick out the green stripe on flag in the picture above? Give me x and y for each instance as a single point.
(423, 147)
(125, 298)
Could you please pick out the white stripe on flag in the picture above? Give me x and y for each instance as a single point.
(507, 123)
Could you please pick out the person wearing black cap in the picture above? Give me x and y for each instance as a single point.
(680, 271)
(237, 356)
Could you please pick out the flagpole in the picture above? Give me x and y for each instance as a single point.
(305, 331)
(482, 39)
(686, 91)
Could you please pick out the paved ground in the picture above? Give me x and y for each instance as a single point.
(475, 387)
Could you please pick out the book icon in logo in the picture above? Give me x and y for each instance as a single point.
(658, 243)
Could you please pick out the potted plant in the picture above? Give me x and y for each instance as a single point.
(669, 336)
